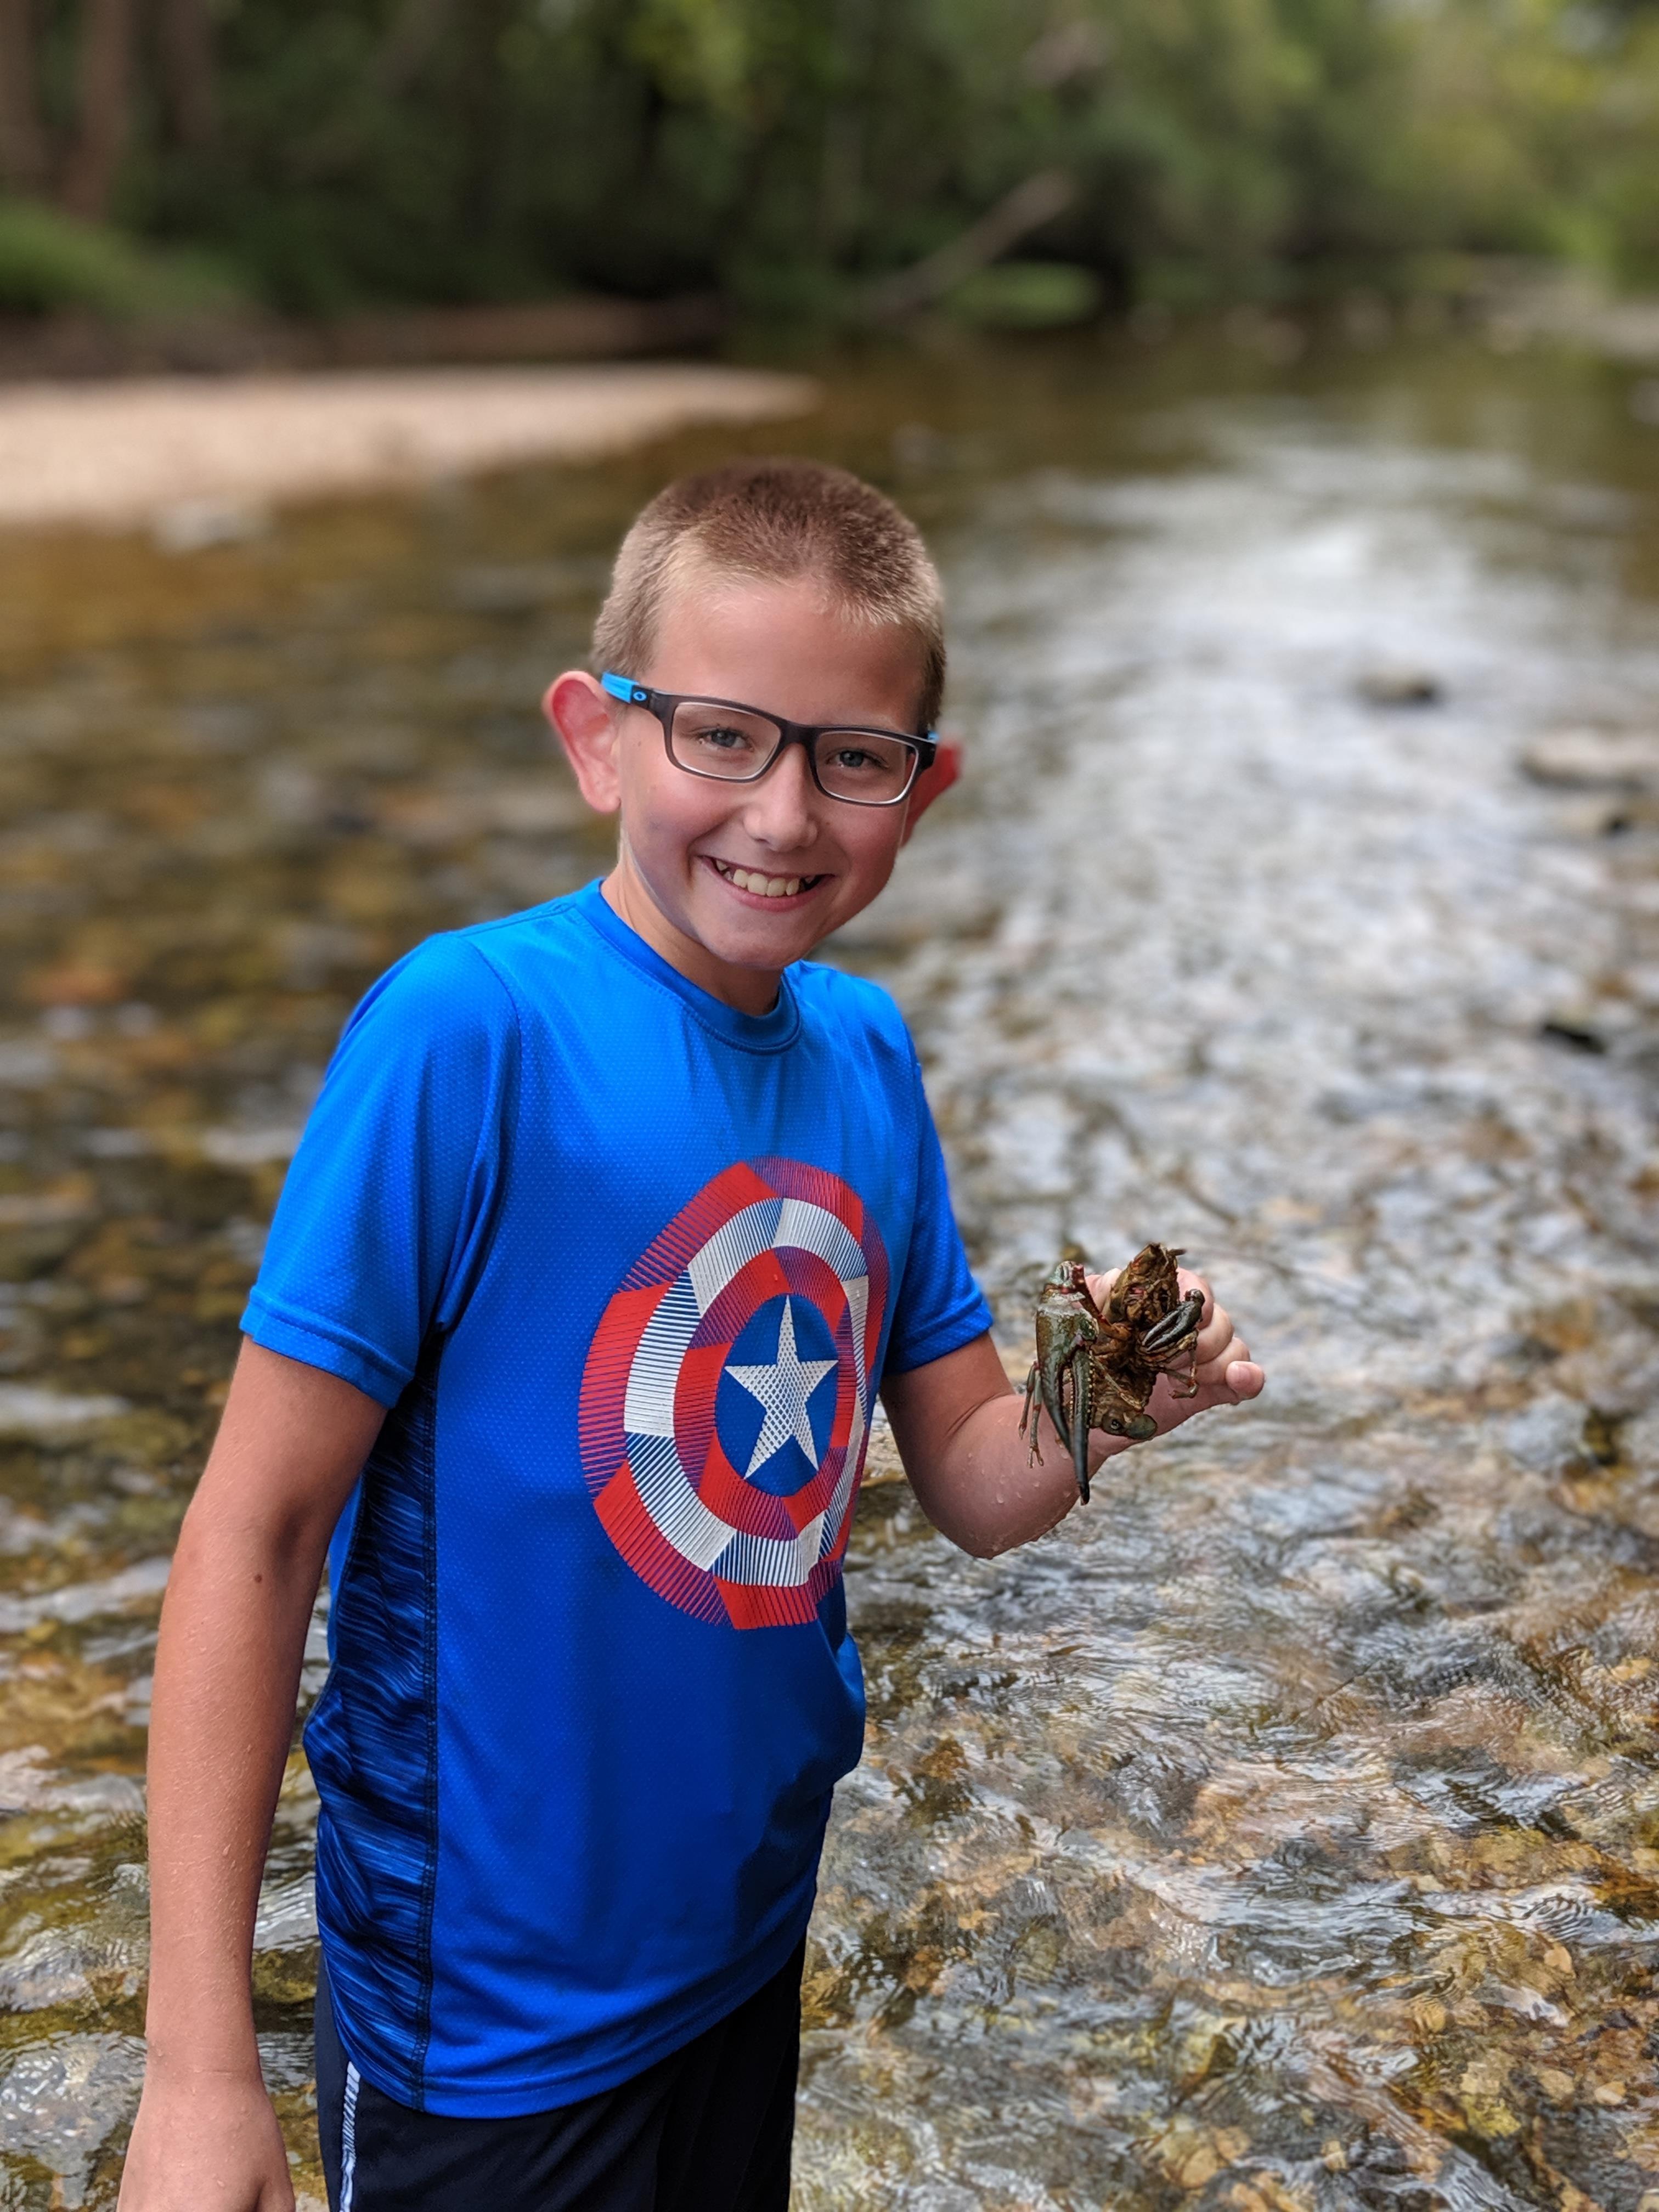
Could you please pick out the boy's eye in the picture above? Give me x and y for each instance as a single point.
(719, 740)
(859, 764)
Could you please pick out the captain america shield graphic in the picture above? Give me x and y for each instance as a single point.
(725, 1401)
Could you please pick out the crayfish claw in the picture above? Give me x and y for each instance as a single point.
(1171, 1333)
(1079, 1437)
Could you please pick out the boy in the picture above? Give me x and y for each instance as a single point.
(610, 1220)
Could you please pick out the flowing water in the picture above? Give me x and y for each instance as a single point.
(1283, 1831)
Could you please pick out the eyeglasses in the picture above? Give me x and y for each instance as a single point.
(719, 739)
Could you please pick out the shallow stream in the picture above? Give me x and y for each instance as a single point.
(1284, 1831)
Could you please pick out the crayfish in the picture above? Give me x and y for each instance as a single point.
(1096, 1365)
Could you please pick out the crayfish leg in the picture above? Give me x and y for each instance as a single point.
(1032, 1412)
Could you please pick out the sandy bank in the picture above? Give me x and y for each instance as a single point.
(176, 451)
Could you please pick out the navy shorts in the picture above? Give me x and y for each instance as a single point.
(707, 2129)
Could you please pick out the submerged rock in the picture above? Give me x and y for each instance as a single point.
(1401, 687)
(1624, 761)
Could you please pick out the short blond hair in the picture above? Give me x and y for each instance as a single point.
(775, 520)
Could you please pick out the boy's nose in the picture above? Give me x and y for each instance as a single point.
(780, 810)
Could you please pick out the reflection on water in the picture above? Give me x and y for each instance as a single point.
(1284, 1831)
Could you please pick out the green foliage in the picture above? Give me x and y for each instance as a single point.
(788, 152)
(49, 260)
(1027, 295)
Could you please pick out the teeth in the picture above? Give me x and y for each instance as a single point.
(747, 879)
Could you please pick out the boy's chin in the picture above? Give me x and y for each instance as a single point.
(764, 944)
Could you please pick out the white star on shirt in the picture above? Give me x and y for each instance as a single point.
(783, 1389)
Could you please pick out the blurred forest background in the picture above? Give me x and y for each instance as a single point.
(318, 156)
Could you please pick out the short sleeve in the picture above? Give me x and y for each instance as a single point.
(386, 1212)
(940, 1307)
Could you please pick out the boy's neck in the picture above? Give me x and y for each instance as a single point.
(750, 990)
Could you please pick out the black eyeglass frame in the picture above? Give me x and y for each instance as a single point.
(662, 704)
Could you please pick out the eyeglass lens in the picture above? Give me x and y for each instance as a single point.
(861, 765)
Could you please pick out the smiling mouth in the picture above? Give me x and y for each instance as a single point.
(760, 886)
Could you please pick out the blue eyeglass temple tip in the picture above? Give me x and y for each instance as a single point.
(636, 695)
(621, 687)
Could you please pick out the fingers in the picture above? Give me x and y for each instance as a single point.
(1231, 1352)
(1248, 1384)
(1100, 1287)
(1224, 1372)
(1231, 1380)
(1243, 1379)
(1224, 1369)
(1215, 1333)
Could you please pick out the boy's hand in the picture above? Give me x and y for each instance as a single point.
(1226, 1374)
(205, 2143)
(956, 1422)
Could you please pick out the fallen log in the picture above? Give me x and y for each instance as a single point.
(1026, 208)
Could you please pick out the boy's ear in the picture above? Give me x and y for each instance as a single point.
(581, 714)
(932, 783)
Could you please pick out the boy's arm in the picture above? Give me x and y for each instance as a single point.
(232, 1635)
(956, 1424)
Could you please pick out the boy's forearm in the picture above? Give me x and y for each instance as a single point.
(956, 1422)
(227, 1668)
(227, 1678)
(980, 1486)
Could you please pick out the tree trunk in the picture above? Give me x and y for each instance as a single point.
(103, 86)
(184, 32)
(23, 152)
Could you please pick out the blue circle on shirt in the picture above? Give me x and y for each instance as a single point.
(779, 1355)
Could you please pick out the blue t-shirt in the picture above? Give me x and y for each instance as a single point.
(627, 1267)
